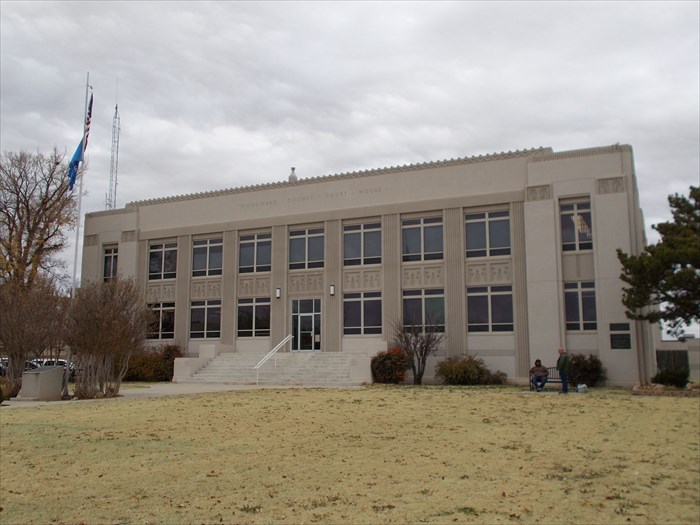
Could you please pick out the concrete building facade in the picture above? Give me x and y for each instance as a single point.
(511, 255)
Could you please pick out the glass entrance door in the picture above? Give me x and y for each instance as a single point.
(306, 324)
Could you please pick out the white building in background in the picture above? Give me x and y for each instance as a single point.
(511, 255)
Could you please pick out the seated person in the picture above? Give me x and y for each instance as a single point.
(538, 375)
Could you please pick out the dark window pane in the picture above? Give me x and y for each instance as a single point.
(568, 229)
(411, 241)
(197, 320)
(215, 257)
(246, 255)
(155, 262)
(434, 310)
(245, 318)
(351, 246)
(297, 250)
(412, 312)
(433, 239)
(584, 226)
(373, 313)
(168, 324)
(170, 263)
(478, 309)
(262, 317)
(315, 248)
(373, 244)
(264, 254)
(588, 305)
(502, 308)
(351, 314)
(499, 234)
(571, 306)
(476, 236)
(199, 259)
(213, 319)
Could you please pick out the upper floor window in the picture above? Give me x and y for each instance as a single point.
(306, 248)
(362, 244)
(163, 326)
(207, 256)
(162, 261)
(254, 317)
(490, 309)
(109, 268)
(579, 302)
(362, 313)
(425, 309)
(255, 253)
(488, 233)
(421, 239)
(576, 226)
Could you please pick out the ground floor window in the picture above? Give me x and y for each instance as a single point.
(254, 317)
(424, 308)
(163, 326)
(579, 301)
(362, 313)
(490, 309)
(205, 319)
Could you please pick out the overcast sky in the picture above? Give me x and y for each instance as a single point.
(227, 94)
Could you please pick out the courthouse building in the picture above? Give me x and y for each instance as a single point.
(511, 255)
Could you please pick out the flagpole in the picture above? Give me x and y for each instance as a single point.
(74, 286)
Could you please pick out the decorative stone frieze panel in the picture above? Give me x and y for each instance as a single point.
(91, 240)
(160, 293)
(489, 273)
(129, 236)
(356, 280)
(206, 289)
(612, 185)
(539, 193)
(254, 286)
(422, 277)
(304, 283)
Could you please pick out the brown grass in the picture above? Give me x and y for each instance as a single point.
(373, 455)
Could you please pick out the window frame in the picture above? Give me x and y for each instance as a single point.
(365, 300)
(422, 225)
(160, 309)
(492, 293)
(163, 248)
(256, 303)
(571, 209)
(583, 292)
(257, 240)
(423, 295)
(208, 244)
(110, 260)
(309, 235)
(488, 219)
(363, 230)
(212, 308)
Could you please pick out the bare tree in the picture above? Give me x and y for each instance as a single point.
(32, 321)
(108, 322)
(419, 342)
(36, 208)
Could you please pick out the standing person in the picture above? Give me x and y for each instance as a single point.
(538, 375)
(563, 367)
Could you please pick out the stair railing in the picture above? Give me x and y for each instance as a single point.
(267, 357)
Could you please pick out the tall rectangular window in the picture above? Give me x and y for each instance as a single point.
(255, 253)
(489, 309)
(163, 326)
(306, 248)
(254, 317)
(487, 233)
(205, 319)
(207, 257)
(162, 260)
(109, 267)
(424, 308)
(421, 239)
(362, 244)
(579, 303)
(576, 234)
(362, 313)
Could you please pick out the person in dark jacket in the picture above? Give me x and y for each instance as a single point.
(539, 375)
(563, 367)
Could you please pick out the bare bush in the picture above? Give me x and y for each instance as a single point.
(108, 323)
(419, 342)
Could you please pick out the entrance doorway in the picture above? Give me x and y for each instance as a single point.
(306, 324)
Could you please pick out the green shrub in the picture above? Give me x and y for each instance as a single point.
(390, 366)
(677, 377)
(153, 364)
(586, 370)
(468, 370)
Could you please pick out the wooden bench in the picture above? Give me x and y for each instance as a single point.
(553, 377)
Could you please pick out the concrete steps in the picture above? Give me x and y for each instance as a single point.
(292, 368)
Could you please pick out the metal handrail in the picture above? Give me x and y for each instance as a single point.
(268, 356)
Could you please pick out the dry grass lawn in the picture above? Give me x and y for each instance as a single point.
(373, 455)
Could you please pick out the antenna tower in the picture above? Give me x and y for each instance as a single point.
(114, 164)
